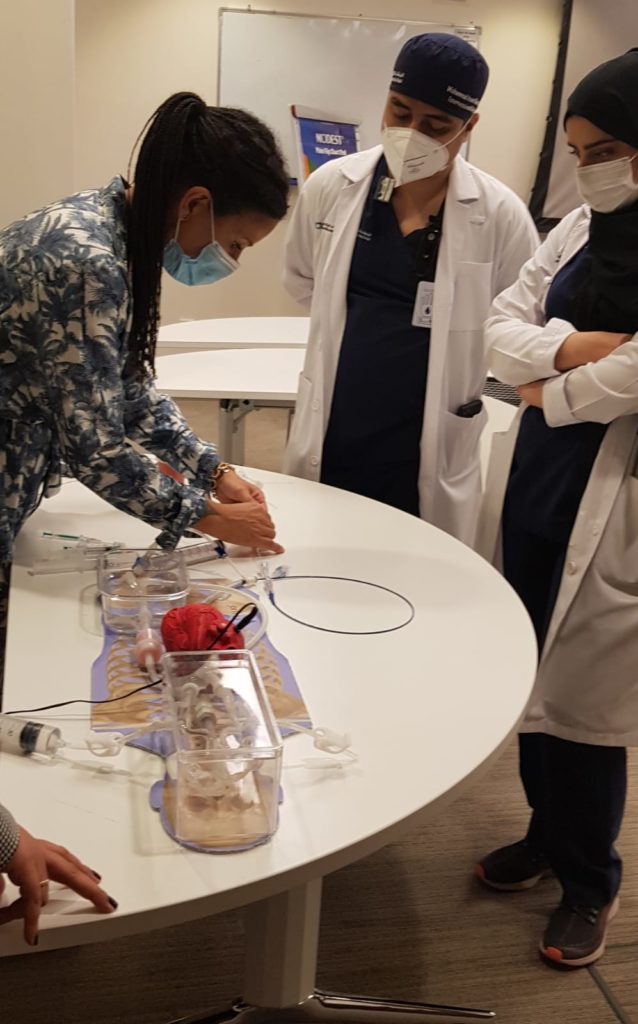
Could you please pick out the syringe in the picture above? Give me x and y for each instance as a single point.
(20, 736)
(78, 542)
(204, 552)
(79, 554)
(69, 561)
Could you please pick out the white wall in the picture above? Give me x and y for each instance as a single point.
(131, 54)
(36, 104)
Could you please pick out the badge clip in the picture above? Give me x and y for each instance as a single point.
(385, 188)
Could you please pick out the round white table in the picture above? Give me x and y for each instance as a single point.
(234, 332)
(428, 708)
(241, 380)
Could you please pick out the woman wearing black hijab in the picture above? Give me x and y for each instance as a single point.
(561, 518)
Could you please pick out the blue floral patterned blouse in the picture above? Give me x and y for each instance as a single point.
(64, 326)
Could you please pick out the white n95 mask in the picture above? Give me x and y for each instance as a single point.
(606, 187)
(411, 155)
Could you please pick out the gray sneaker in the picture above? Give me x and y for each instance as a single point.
(512, 868)
(575, 936)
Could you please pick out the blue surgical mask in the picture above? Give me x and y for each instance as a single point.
(213, 263)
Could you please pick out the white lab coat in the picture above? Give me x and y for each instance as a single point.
(487, 236)
(587, 684)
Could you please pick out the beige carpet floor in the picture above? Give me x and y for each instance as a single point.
(409, 922)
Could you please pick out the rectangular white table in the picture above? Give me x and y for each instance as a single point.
(233, 332)
(241, 380)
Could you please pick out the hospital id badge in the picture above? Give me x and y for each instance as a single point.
(422, 312)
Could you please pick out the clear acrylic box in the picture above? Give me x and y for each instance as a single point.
(130, 581)
(224, 775)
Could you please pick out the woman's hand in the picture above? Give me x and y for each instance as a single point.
(584, 347)
(37, 862)
(246, 523)
(231, 488)
(532, 393)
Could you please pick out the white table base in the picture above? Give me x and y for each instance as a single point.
(282, 938)
(241, 381)
(231, 431)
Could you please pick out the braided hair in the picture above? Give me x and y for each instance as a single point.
(184, 144)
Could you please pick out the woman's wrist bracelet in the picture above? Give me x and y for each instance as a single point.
(218, 473)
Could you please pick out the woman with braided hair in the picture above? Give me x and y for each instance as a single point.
(80, 285)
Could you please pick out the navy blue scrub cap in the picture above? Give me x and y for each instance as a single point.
(443, 71)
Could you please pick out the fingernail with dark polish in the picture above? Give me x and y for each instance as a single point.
(112, 902)
(97, 877)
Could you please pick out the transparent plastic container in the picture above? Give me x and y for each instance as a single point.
(133, 580)
(223, 778)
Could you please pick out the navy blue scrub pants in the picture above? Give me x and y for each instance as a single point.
(576, 790)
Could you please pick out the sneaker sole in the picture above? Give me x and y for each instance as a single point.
(555, 957)
(526, 883)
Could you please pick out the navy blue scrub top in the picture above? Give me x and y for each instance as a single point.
(372, 442)
(552, 465)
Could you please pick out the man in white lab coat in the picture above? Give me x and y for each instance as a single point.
(398, 252)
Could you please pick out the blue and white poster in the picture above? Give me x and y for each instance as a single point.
(319, 141)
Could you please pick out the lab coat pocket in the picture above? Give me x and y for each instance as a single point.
(461, 435)
(472, 296)
(618, 556)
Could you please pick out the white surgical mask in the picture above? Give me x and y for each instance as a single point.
(607, 187)
(411, 155)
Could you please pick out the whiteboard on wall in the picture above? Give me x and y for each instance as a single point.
(268, 61)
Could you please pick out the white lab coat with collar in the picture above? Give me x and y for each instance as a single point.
(586, 688)
(487, 236)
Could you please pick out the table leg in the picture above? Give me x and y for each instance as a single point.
(231, 430)
(282, 935)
